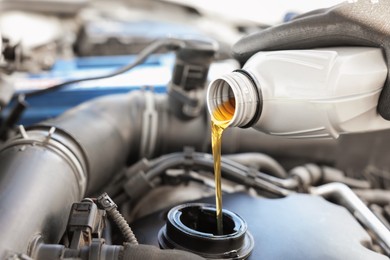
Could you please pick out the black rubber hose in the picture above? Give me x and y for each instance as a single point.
(108, 129)
(123, 226)
(104, 201)
(231, 170)
(260, 161)
(141, 252)
(40, 179)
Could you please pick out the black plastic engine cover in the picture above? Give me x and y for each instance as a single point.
(297, 227)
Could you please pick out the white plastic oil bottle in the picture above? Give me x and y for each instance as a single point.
(319, 93)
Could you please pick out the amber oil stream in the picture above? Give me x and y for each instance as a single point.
(221, 118)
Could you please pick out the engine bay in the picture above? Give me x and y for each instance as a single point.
(106, 148)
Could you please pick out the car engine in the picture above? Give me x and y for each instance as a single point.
(105, 148)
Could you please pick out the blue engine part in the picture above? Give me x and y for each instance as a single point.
(155, 73)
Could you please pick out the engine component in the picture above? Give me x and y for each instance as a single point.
(296, 227)
(85, 226)
(86, 222)
(112, 37)
(107, 204)
(343, 193)
(70, 147)
(99, 250)
(139, 178)
(6, 83)
(186, 89)
(169, 43)
(6, 89)
(193, 227)
(12, 118)
(57, 166)
(47, 167)
(259, 161)
(61, 160)
(11, 55)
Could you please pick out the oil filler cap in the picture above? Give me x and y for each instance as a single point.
(193, 227)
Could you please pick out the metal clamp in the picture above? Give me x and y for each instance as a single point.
(50, 140)
(149, 126)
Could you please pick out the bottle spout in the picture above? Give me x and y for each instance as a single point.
(234, 100)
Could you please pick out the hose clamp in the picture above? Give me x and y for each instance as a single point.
(149, 126)
(57, 143)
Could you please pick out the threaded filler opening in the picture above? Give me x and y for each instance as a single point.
(234, 100)
(222, 101)
(203, 220)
